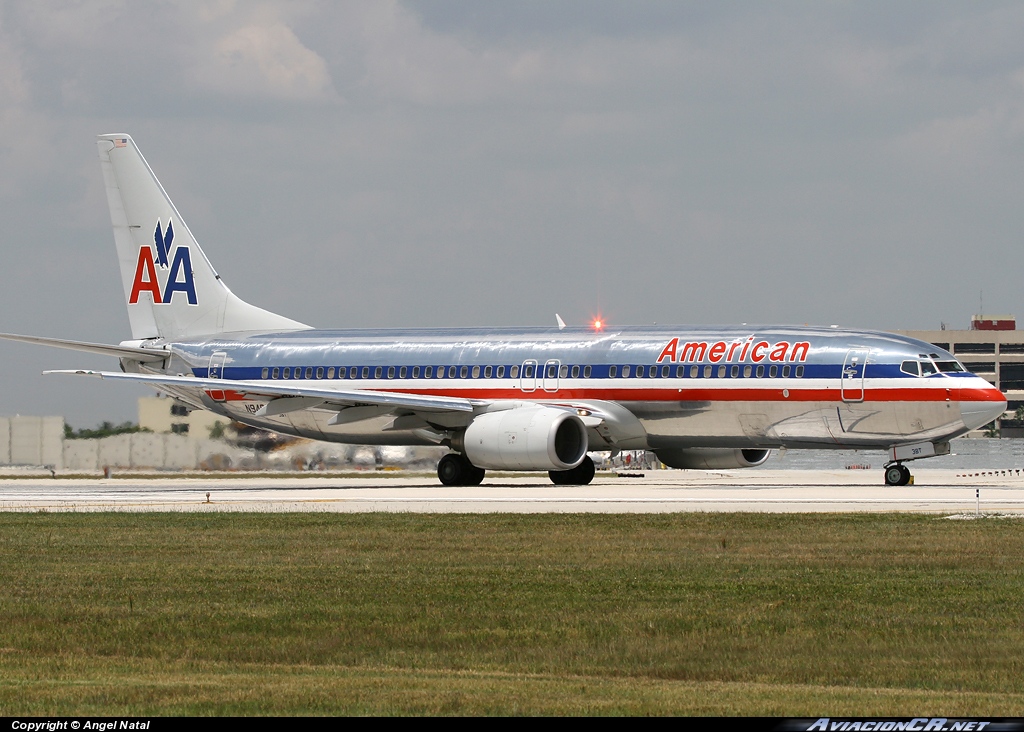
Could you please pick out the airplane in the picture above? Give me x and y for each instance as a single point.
(524, 399)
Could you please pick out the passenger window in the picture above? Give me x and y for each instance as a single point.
(625, 372)
(403, 372)
(319, 372)
(552, 371)
(664, 372)
(514, 373)
(734, 372)
(501, 372)
(695, 372)
(575, 372)
(415, 372)
(586, 372)
(330, 372)
(612, 372)
(276, 374)
(309, 372)
(287, 374)
(353, 373)
(440, 372)
(773, 371)
(428, 372)
(264, 374)
(746, 371)
(378, 372)
(391, 372)
(528, 371)
(563, 371)
(451, 372)
(707, 372)
(487, 372)
(911, 367)
(721, 372)
(799, 372)
(785, 372)
(476, 372)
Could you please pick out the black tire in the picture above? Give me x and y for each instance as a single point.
(450, 470)
(894, 474)
(454, 469)
(558, 477)
(582, 474)
(474, 475)
(905, 477)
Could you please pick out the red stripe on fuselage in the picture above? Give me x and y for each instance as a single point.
(709, 394)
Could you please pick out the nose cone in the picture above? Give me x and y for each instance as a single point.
(980, 405)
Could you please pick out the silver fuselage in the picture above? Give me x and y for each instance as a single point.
(671, 386)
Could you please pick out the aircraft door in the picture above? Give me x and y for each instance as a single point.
(551, 374)
(852, 379)
(217, 372)
(528, 375)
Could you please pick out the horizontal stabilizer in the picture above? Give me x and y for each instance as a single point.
(263, 389)
(146, 355)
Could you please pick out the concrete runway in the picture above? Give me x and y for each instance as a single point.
(778, 491)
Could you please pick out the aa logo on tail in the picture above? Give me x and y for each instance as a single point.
(177, 276)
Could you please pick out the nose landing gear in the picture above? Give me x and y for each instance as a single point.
(897, 474)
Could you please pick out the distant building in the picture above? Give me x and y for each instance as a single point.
(994, 349)
(162, 414)
(993, 322)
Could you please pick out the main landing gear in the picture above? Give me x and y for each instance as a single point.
(897, 474)
(582, 474)
(455, 469)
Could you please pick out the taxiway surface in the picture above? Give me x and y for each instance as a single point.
(779, 491)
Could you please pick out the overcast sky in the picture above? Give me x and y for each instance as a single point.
(444, 163)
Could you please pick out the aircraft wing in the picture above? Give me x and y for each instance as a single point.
(274, 391)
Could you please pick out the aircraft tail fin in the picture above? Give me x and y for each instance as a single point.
(170, 287)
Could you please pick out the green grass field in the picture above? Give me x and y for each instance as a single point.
(793, 615)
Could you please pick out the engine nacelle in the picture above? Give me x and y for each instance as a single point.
(525, 438)
(711, 458)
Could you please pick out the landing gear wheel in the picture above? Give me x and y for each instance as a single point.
(897, 475)
(474, 475)
(455, 469)
(582, 474)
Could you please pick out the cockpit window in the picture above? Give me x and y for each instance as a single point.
(911, 367)
(949, 367)
(927, 368)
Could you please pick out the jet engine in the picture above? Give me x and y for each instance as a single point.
(525, 438)
(711, 458)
